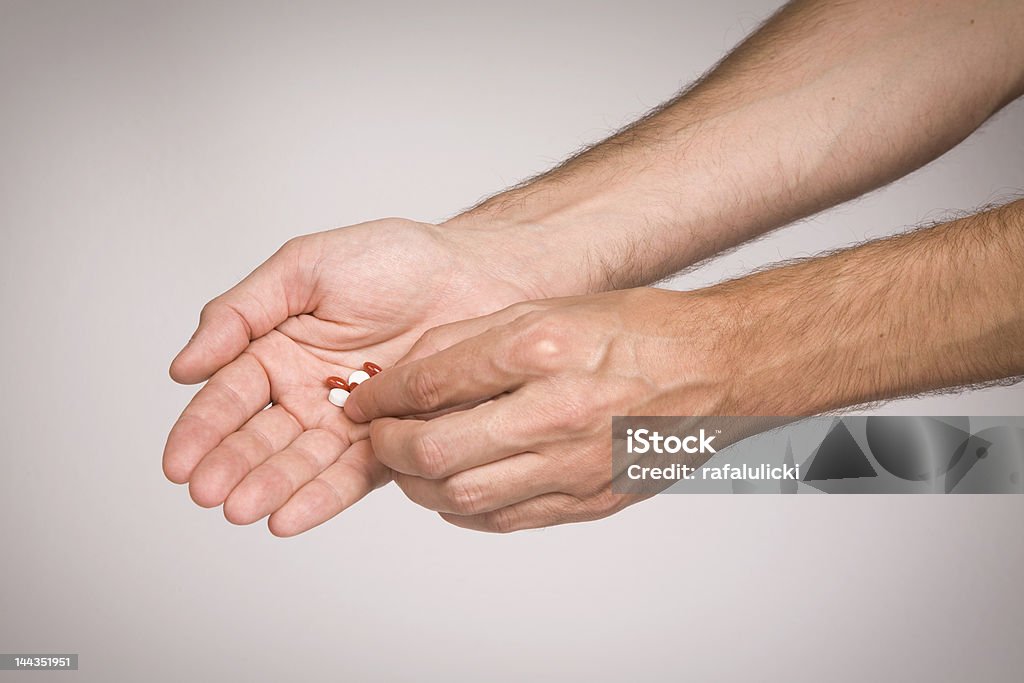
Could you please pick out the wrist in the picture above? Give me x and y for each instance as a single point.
(532, 253)
(555, 250)
(582, 234)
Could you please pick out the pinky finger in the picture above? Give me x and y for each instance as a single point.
(545, 510)
(356, 473)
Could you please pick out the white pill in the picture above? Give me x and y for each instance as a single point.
(337, 397)
(357, 377)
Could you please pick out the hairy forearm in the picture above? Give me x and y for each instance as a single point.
(824, 102)
(936, 308)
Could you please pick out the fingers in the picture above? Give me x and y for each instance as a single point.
(279, 288)
(485, 488)
(456, 441)
(341, 485)
(542, 511)
(232, 396)
(534, 513)
(225, 466)
(471, 370)
(272, 483)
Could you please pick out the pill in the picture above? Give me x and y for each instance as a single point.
(337, 383)
(337, 397)
(357, 377)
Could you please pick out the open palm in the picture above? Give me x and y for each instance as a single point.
(260, 436)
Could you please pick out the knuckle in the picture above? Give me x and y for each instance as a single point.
(502, 521)
(537, 326)
(603, 503)
(570, 414)
(592, 477)
(406, 486)
(575, 414)
(425, 391)
(381, 437)
(293, 244)
(301, 252)
(543, 341)
(428, 458)
(463, 495)
(210, 308)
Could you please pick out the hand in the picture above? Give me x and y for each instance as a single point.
(543, 380)
(530, 389)
(322, 305)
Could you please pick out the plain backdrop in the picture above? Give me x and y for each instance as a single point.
(152, 153)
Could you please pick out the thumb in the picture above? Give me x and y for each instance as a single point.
(276, 290)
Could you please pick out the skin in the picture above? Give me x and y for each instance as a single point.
(320, 306)
(542, 380)
(824, 102)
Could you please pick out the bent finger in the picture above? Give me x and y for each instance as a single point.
(544, 510)
(456, 441)
(485, 488)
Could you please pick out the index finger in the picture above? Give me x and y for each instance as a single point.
(474, 369)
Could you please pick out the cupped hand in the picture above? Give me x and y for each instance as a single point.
(525, 398)
(260, 436)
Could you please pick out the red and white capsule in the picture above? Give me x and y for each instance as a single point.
(340, 388)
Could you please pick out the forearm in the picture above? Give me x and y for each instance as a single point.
(937, 308)
(825, 102)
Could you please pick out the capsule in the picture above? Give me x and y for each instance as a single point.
(357, 377)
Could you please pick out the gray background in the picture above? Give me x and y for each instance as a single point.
(153, 153)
